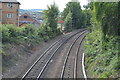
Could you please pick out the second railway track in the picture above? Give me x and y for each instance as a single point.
(69, 69)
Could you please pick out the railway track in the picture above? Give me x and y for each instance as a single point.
(76, 67)
(59, 61)
(69, 69)
(38, 67)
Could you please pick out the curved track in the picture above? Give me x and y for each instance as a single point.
(69, 69)
(38, 67)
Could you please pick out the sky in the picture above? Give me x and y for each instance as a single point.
(42, 4)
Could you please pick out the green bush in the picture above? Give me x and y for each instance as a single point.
(5, 34)
(28, 34)
(106, 58)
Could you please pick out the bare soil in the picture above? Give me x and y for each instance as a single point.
(20, 57)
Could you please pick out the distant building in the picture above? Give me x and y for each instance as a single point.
(40, 19)
(9, 12)
(60, 23)
(34, 13)
(28, 19)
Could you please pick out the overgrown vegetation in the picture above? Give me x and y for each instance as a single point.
(27, 37)
(73, 16)
(102, 43)
(28, 34)
(51, 18)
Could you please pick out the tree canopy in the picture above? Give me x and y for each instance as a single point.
(51, 16)
(107, 15)
(75, 9)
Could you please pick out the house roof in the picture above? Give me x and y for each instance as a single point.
(6, 1)
(25, 14)
(60, 21)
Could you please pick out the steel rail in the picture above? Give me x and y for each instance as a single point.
(27, 72)
(40, 58)
(76, 59)
(65, 62)
(43, 69)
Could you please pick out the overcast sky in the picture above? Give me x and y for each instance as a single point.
(42, 4)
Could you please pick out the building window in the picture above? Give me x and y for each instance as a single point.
(9, 15)
(17, 10)
(10, 5)
(25, 16)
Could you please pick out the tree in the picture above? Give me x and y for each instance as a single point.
(89, 6)
(84, 20)
(68, 22)
(75, 9)
(51, 17)
(87, 17)
(107, 15)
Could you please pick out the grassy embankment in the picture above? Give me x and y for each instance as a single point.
(103, 42)
(20, 42)
(101, 63)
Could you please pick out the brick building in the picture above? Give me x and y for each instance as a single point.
(9, 12)
(28, 19)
